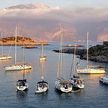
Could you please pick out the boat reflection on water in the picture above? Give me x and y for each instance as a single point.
(95, 76)
(26, 71)
(21, 95)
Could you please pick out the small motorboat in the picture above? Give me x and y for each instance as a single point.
(104, 79)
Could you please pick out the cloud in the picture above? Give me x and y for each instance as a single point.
(103, 36)
(27, 10)
(41, 20)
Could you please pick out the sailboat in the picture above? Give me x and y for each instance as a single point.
(22, 84)
(42, 86)
(76, 81)
(4, 57)
(17, 67)
(90, 69)
(42, 56)
(62, 85)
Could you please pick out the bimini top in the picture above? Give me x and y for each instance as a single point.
(42, 82)
(24, 80)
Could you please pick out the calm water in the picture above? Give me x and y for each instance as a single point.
(93, 96)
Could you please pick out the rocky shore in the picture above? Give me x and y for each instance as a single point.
(20, 41)
(98, 53)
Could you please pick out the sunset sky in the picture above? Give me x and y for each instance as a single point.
(40, 18)
(61, 3)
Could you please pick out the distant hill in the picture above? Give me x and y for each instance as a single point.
(20, 41)
(98, 53)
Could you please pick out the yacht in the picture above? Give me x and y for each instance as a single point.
(16, 66)
(104, 79)
(22, 85)
(62, 85)
(90, 69)
(42, 86)
(5, 57)
(42, 56)
(75, 80)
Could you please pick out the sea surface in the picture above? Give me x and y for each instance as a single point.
(94, 95)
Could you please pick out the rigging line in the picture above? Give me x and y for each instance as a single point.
(87, 49)
(1, 34)
(16, 30)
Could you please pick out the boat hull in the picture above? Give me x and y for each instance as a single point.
(17, 67)
(62, 88)
(90, 71)
(41, 90)
(5, 57)
(22, 88)
(104, 80)
(43, 58)
(42, 87)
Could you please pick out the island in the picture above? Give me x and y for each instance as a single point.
(20, 41)
(98, 53)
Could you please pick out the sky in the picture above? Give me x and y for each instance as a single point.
(61, 3)
(77, 16)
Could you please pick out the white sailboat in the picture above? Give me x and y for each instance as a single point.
(42, 86)
(17, 67)
(90, 69)
(4, 57)
(75, 79)
(42, 56)
(22, 84)
(61, 84)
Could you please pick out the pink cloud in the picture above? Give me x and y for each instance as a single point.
(103, 37)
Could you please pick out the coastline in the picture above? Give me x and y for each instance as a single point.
(21, 41)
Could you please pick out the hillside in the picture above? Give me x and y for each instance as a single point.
(20, 40)
(98, 53)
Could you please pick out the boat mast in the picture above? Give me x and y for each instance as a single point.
(16, 30)
(42, 50)
(42, 70)
(74, 66)
(61, 44)
(87, 50)
(23, 60)
(2, 43)
(60, 63)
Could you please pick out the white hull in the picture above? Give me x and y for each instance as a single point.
(43, 58)
(41, 90)
(63, 88)
(21, 88)
(5, 57)
(17, 67)
(22, 85)
(104, 80)
(42, 87)
(80, 86)
(91, 71)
